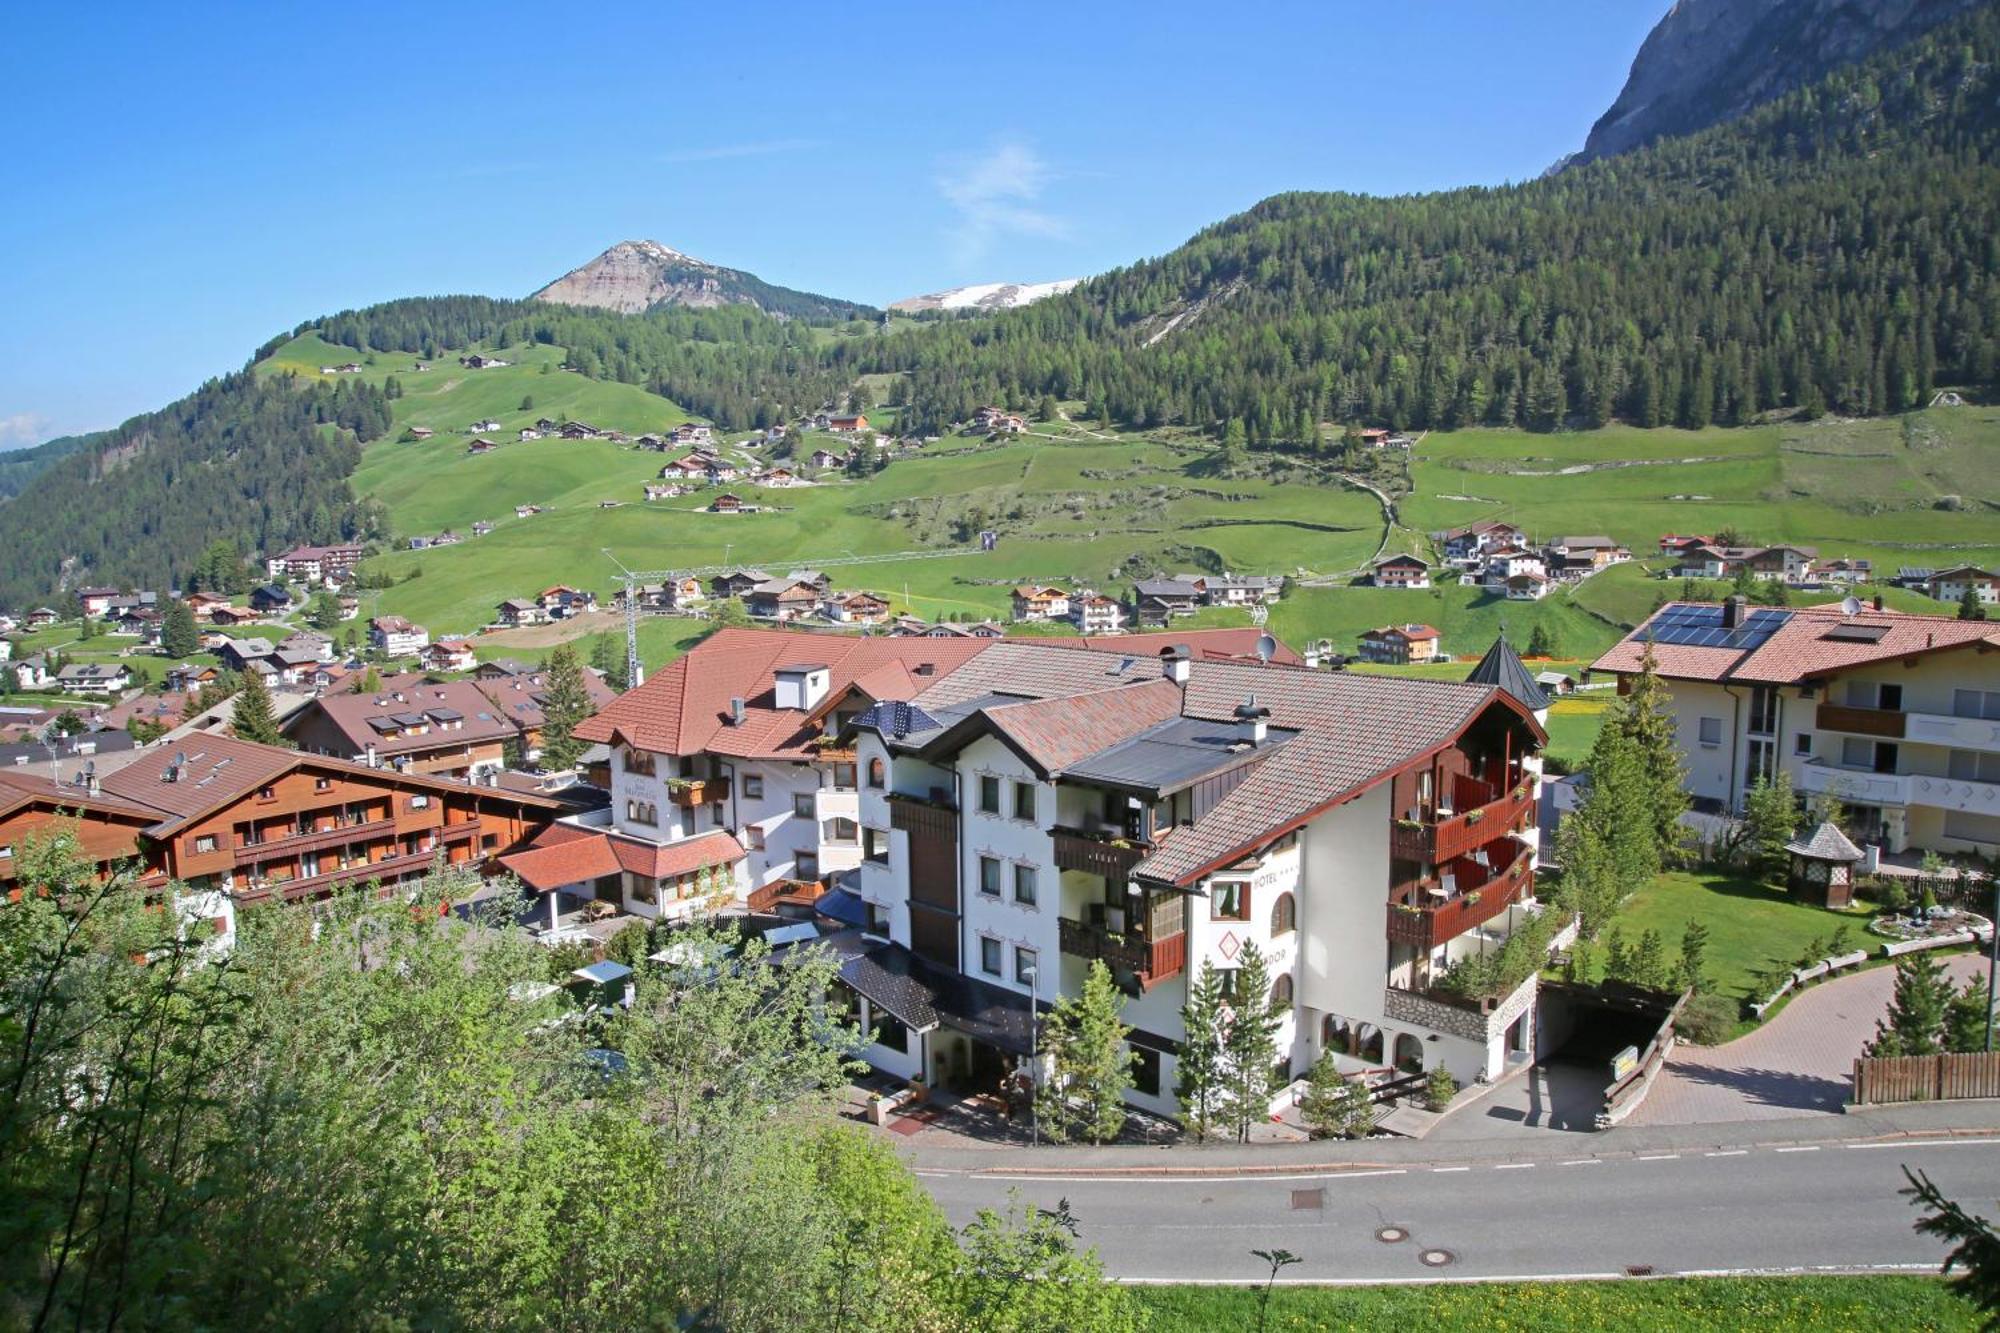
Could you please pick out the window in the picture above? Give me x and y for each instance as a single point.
(420, 802)
(802, 804)
(753, 786)
(1856, 753)
(842, 830)
(806, 865)
(642, 812)
(1336, 1034)
(1145, 1071)
(1024, 964)
(1974, 766)
(875, 774)
(878, 920)
(756, 838)
(1763, 710)
(1802, 743)
(989, 876)
(843, 777)
(267, 793)
(1763, 761)
(989, 955)
(1976, 703)
(642, 889)
(1226, 978)
(1024, 801)
(1710, 732)
(1024, 885)
(890, 1032)
(989, 794)
(205, 843)
(322, 784)
(875, 845)
(1284, 915)
(639, 762)
(1409, 1053)
(1281, 992)
(1229, 900)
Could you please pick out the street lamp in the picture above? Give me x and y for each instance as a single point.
(1034, 1056)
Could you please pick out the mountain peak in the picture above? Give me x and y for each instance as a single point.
(986, 296)
(637, 275)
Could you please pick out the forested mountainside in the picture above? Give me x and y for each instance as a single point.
(1709, 61)
(733, 364)
(1833, 249)
(18, 467)
(258, 463)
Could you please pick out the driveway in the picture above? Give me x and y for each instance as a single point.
(1798, 1064)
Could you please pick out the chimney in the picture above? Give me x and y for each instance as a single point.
(1175, 663)
(370, 758)
(1251, 718)
(736, 711)
(1732, 611)
(1878, 601)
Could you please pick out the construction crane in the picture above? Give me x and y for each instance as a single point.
(634, 579)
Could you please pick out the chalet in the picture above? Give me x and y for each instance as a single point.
(856, 608)
(527, 433)
(1588, 553)
(1466, 545)
(1848, 569)
(140, 622)
(446, 538)
(719, 469)
(1094, 613)
(1040, 604)
(344, 368)
(201, 603)
(562, 601)
(779, 476)
(527, 511)
(1157, 600)
(662, 490)
(31, 673)
(449, 655)
(312, 564)
(517, 611)
(1675, 544)
(481, 527)
(230, 615)
(315, 645)
(1507, 562)
(656, 443)
(482, 426)
(580, 430)
(679, 593)
(690, 468)
(1236, 589)
(820, 582)
(95, 601)
(93, 678)
(826, 458)
(547, 425)
(737, 582)
(1950, 585)
(478, 362)
(1402, 571)
(410, 725)
(394, 636)
(481, 445)
(350, 607)
(238, 654)
(847, 425)
(271, 599)
(421, 432)
(1373, 437)
(726, 504)
(1526, 587)
(40, 618)
(1792, 564)
(693, 432)
(519, 696)
(781, 599)
(189, 678)
(1402, 644)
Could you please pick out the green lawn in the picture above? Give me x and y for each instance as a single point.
(1825, 1302)
(1752, 928)
(1573, 726)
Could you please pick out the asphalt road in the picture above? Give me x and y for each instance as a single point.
(1762, 1208)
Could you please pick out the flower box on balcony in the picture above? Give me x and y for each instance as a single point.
(697, 791)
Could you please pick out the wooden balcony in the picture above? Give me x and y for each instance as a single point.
(1092, 855)
(786, 893)
(697, 791)
(1152, 961)
(923, 819)
(390, 868)
(249, 853)
(1428, 925)
(1474, 826)
(1885, 722)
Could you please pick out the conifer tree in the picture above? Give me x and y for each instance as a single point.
(567, 705)
(1250, 1045)
(1770, 820)
(253, 718)
(1969, 605)
(1091, 1066)
(1915, 1024)
(178, 636)
(1198, 1067)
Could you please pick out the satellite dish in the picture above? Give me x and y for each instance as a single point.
(1850, 606)
(1266, 645)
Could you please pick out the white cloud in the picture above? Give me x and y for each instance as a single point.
(995, 193)
(723, 152)
(23, 429)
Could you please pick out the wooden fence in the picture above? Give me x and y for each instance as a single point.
(1925, 1078)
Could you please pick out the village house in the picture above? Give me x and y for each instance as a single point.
(781, 600)
(1588, 553)
(1892, 714)
(1847, 569)
(689, 468)
(443, 729)
(779, 477)
(478, 362)
(527, 433)
(1402, 644)
(519, 694)
(579, 430)
(313, 565)
(1525, 587)
(651, 443)
(481, 527)
(846, 425)
(1372, 437)
(856, 608)
(31, 672)
(311, 643)
(1401, 571)
(96, 601)
(737, 582)
(1469, 545)
(393, 636)
(1511, 562)
(40, 618)
(344, 368)
(1094, 613)
(100, 678)
(271, 599)
(561, 602)
(1158, 600)
(825, 459)
(1792, 564)
(1034, 604)
(421, 433)
(527, 511)
(518, 611)
(1949, 585)
(726, 504)
(449, 655)
(661, 490)
(1236, 589)
(481, 445)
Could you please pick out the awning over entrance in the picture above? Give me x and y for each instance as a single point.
(923, 998)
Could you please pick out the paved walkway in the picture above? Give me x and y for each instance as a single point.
(1798, 1064)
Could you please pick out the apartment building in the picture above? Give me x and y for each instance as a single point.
(1896, 715)
(1039, 808)
(447, 729)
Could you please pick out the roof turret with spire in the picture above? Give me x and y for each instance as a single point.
(1502, 667)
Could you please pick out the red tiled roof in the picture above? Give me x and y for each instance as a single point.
(685, 708)
(560, 863)
(660, 860)
(1235, 644)
(1799, 649)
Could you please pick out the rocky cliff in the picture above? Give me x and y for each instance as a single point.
(633, 276)
(1711, 60)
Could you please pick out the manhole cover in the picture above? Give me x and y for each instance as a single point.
(1436, 1258)
(1308, 1200)
(1392, 1235)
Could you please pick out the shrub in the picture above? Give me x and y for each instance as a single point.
(630, 945)
(1708, 1019)
(1440, 1088)
(566, 958)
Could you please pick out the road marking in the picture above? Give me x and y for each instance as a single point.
(1811, 1148)
(1115, 1179)
(1927, 1143)
(1729, 1152)
(1586, 1161)
(1441, 1170)
(1660, 1157)
(1514, 1166)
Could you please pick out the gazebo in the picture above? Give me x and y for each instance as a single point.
(1823, 866)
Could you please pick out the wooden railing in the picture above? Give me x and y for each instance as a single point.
(1470, 829)
(698, 791)
(1426, 926)
(922, 819)
(391, 868)
(248, 853)
(1925, 1078)
(786, 893)
(1887, 722)
(1096, 856)
(1149, 960)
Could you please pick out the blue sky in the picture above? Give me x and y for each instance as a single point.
(187, 180)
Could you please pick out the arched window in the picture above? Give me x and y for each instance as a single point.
(1336, 1034)
(1368, 1043)
(1409, 1053)
(876, 774)
(1284, 915)
(1281, 992)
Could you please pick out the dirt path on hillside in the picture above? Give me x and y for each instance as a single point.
(555, 632)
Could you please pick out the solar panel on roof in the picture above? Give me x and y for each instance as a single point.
(1701, 627)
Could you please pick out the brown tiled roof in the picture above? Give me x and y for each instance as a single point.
(350, 714)
(518, 698)
(685, 708)
(1233, 644)
(17, 789)
(1056, 733)
(1800, 649)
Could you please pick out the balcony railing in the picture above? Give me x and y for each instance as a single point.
(393, 867)
(1425, 925)
(1454, 835)
(1094, 855)
(1885, 722)
(248, 853)
(1151, 961)
(697, 791)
